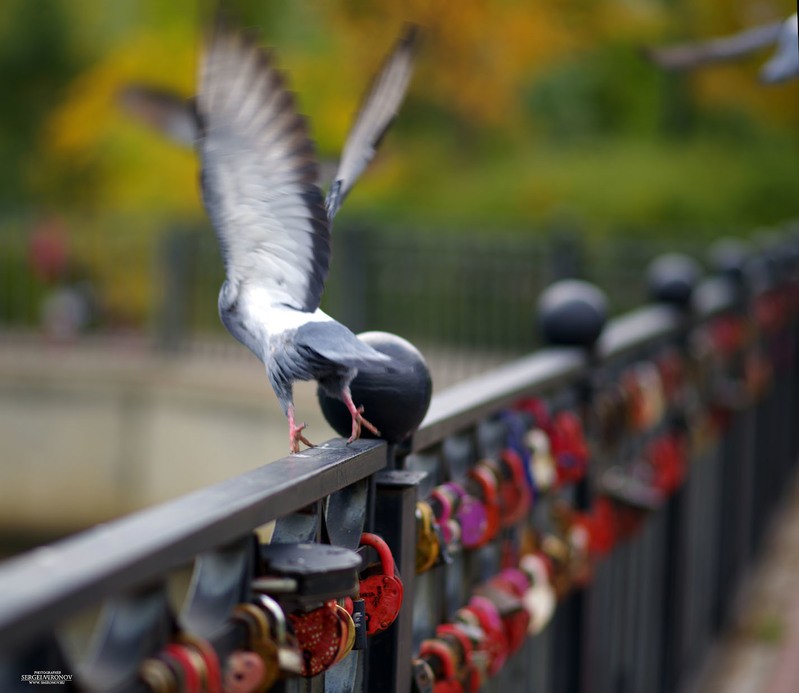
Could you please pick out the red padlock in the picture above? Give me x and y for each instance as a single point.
(382, 593)
(515, 497)
(486, 480)
(471, 677)
(506, 590)
(600, 526)
(319, 634)
(442, 662)
(569, 447)
(667, 456)
(488, 618)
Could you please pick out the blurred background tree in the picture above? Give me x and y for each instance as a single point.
(520, 112)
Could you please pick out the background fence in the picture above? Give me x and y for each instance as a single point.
(669, 441)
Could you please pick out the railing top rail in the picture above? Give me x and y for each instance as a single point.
(100, 562)
(465, 404)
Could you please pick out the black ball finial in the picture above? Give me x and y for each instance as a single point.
(728, 258)
(672, 278)
(572, 312)
(395, 401)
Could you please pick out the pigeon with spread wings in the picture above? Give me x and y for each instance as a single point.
(259, 186)
(783, 65)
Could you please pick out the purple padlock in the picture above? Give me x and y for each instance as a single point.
(471, 515)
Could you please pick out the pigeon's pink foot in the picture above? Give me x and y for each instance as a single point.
(357, 418)
(295, 434)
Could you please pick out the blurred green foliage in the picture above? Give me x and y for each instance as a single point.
(520, 111)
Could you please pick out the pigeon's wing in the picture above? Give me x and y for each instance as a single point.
(378, 109)
(259, 174)
(690, 55)
(162, 110)
(785, 63)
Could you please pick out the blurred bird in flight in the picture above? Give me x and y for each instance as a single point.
(783, 65)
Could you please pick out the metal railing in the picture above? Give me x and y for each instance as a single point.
(635, 616)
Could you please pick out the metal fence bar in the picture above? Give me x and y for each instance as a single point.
(122, 554)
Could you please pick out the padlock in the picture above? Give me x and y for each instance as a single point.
(261, 643)
(610, 415)
(190, 664)
(515, 496)
(600, 526)
(569, 447)
(542, 468)
(348, 633)
(443, 500)
(382, 592)
(505, 592)
(667, 457)
(485, 479)
(422, 676)
(212, 682)
(558, 551)
(428, 546)
(288, 652)
(496, 643)
(470, 676)
(245, 672)
(319, 634)
(471, 515)
(158, 676)
(539, 599)
(442, 661)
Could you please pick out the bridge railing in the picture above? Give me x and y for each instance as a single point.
(622, 480)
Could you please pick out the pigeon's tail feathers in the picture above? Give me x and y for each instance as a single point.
(378, 109)
(334, 342)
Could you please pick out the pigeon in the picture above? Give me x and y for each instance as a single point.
(782, 66)
(259, 187)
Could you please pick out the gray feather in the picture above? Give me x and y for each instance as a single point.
(690, 55)
(162, 110)
(333, 342)
(259, 174)
(378, 110)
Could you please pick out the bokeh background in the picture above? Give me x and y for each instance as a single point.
(536, 142)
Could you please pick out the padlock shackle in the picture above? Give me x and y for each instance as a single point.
(213, 668)
(192, 678)
(278, 617)
(383, 551)
(439, 650)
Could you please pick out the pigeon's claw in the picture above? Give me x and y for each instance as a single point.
(295, 435)
(357, 418)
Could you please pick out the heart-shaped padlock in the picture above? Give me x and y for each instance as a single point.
(319, 634)
(471, 515)
(382, 592)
